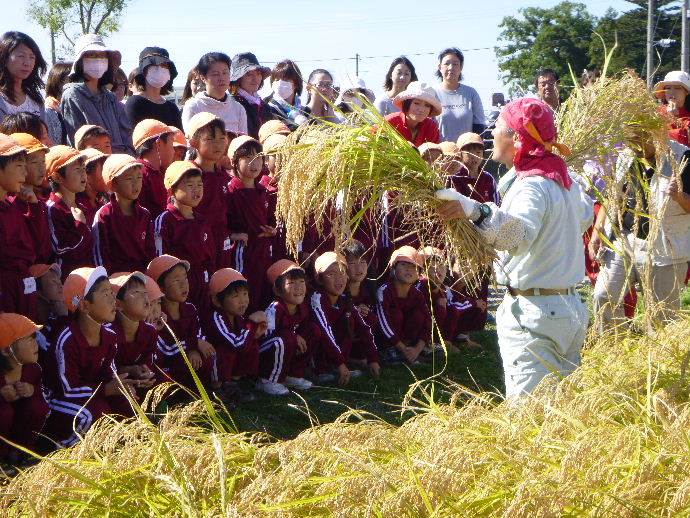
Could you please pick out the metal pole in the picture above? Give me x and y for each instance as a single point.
(685, 38)
(651, 9)
(357, 65)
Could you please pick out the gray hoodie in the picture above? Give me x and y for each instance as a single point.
(80, 106)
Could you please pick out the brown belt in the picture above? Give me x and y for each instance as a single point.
(541, 292)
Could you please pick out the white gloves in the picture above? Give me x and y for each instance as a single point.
(469, 206)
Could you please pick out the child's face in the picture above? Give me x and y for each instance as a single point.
(94, 177)
(356, 268)
(189, 190)
(75, 177)
(128, 184)
(406, 272)
(437, 271)
(13, 175)
(25, 350)
(236, 302)
(36, 168)
(176, 284)
(101, 307)
(180, 153)
(294, 291)
(155, 316)
(250, 167)
(334, 279)
(166, 152)
(211, 146)
(100, 142)
(431, 155)
(271, 162)
(51, 287)
(135, 302)
(450, 164)
(472, 156)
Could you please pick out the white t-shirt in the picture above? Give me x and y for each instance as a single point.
(29, 105)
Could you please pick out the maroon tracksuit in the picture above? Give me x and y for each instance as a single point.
(344, 333)
(248, 210)
(236, 344)
(17, 286)
(36, 215)
(22, 420)
(280, 250)
(191, 240)
(122, 243)
(404, 320)
(138, 352)
(88, 207)
(470, 316)
(169, 363)
(154, 195)
(278, 354)
(366, 296)
(71, 239)
(315, 242)
(76, 375)
(395, 232)
(214, 209)
(446, 313)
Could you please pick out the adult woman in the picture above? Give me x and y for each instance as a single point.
(418, 104)
(193, 85)
(320, 96)
(400, 74)
(154, 79)
(86, 99)
(214, 70)
(21, 68)
(246, 80)
(284, 102)
(57, 77)
(674, 93)
(120, 86)
(462, 108)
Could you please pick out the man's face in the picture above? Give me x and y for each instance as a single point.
(547, 88)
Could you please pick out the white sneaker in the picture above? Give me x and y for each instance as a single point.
(274, 389)
(355, 373)
(298, 383)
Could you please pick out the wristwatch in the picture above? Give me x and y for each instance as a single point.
(484, 212)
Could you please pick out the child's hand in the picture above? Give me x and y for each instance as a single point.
(240, 237)
(268, 231)
(343, 374)
(258, 317)
(27, 194)
(24, 389)
(112, 388)
(9, 393)
(374, 369)
(363, 310)
(78, 214)
(481, 304)
(301, 345)
(442, 301)
(195, 360)
(206, 349)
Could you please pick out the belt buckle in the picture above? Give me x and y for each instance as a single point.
(536, 291)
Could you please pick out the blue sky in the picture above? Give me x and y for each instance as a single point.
(316, 33)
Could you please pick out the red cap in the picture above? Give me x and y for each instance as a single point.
(78, 283)
(153, 289)
(280, 267)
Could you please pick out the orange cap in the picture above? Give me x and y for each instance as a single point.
(78, 283)
(468, 139)
(176, 171)
(405, 254)
(39, 270)
(273, 142)
(14, 327)
(326, 259)
(449, 148)
(115, 165)
(29, 142)
(9, 146)
(79, 134)
(239, 142)
(198, 121)
(162, 264)
(92, 154)
(60, 156)
(119, 279)
(179, 140)
(280, 267)
(272, 127)
(430, 251)
(224, 278)
(153, 289)
(147, 129)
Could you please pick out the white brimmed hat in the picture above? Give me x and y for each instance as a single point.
(88, 43)
(421, 91)
(675, 77)
(356, 84)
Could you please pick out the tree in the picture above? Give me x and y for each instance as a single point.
(544, 38)
(68, 19)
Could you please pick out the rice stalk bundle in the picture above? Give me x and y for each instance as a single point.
(341, 173)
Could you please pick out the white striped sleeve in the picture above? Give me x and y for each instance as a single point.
(236, 340)
(322, 320)
(69, 391)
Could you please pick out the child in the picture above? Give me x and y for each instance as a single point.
(234, 335)
(29, 200)
(156, 317)
(207, 136)
(91, 136)
(23, 409)
(136, 340)
(430, 152)
(344, 332)
(272, 145)
(180, 145)
(153, 142)
(404, 319)
(95, 195)
(122, 230)
(252, 227)
(70, 234)
(81, 373)
(17, 253)
(360, 290)
(284, 353)
(182, 319)
(181, 232)
(476, 183)
(50, 307)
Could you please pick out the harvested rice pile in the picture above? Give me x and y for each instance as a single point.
(610, 440)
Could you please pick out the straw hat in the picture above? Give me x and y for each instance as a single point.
(116, 165)
(198, 121)
(148, 129)
(281, 267)
(325, 260)
(14, 327)
(28, 142)
(176, 171)
(9, 146)
(405, 254)
(224, 278)
(274, 142)
(162, 264)
(675, 77)
(421, 91)
(79, 283)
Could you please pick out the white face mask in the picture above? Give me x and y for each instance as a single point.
(95, 67)
(157, 76)
(283, 89)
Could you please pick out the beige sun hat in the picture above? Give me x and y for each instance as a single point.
(421, 91)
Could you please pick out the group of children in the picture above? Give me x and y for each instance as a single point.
(119, 273)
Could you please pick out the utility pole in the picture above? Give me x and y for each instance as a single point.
(685, 39)
(357, 65)
(651, 11)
